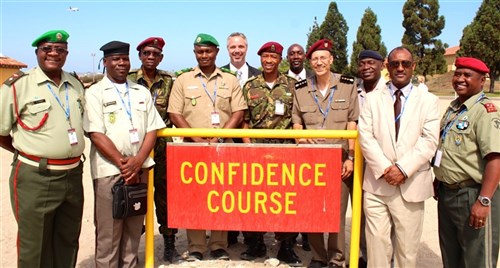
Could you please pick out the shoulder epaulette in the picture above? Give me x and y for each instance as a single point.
(490, 107)
(162, 72)
(13, 78)
(185, 70)
(133, 71)
(301, 84)
(289, 76)
(347, 79)
(226, 70)
(77, 78)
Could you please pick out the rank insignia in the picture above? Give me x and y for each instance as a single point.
(462, 124)
(112, 118)
(490, 107)
(193, 101)
(458, 140)
(301, 84)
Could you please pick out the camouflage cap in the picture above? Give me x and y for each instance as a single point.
(54, 36)
(205, 40)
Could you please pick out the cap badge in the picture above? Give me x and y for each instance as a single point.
(155, 42)
(59, 36)
(273, 48)
(325, 44)
(198, 39)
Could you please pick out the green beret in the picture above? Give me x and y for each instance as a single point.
(54, 36)
(205, 40)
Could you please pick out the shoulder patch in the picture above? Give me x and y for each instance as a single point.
(346, 79)
(226, 70)
(490, 107)
(13, 78)
(301, 84)
(185, 70)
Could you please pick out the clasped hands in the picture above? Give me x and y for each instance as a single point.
(130, 169)
(393, 176)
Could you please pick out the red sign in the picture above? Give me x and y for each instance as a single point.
(254, 188)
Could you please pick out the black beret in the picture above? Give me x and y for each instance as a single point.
(370, 54)
(115, 48)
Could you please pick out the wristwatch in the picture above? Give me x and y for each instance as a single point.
(350, 158)
(485, 201)
(220, 140)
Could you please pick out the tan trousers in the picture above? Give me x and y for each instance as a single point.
(384, 213)
(117, 241)
(335, 248)
(197, 240)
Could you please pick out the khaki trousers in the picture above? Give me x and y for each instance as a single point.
(117, 241)
(197, 240)
(405, 219)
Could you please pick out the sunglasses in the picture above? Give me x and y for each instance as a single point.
(154, 53)
(395, 64)
(58, 50)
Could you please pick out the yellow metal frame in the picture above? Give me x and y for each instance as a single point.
(266, 133)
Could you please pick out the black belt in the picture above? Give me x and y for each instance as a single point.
(460, 185)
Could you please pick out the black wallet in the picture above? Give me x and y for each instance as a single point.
(129, 200)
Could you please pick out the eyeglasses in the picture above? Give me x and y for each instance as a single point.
(149, 53)
(406, 64)
(58, 50)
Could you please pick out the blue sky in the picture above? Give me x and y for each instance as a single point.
(178, 22)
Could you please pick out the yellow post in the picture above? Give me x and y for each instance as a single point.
(150, 246)
(356, 205)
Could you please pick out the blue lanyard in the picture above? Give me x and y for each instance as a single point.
(66, 110)
(206, 91)
(404, 104)
(449, 124)
(128, 108)
(324, 113)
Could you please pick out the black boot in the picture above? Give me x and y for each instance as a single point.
(256, 248)
(287, 255)
(170, 254)
(305, 242)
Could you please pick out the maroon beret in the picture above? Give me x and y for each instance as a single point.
(271, 47)
(157, 42)
(472, 63)
(322, 44)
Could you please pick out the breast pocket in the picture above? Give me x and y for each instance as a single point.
(112, 114)
(223, 100)
(309, 115)
(340, 111)
(458, 140)
(258, 108)
(36, 110)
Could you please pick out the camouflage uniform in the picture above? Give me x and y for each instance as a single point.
(261, 105)
(160, 92)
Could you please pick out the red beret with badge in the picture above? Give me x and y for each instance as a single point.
(271, 47)
(472, 63)
(157, 42)
(322, 44)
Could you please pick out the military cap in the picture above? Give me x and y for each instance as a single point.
(115, 48)
(205, 40)
(270, 47)
(322, 44)
(472, 63)
(54, 36)
(369, 54)
(157, 42)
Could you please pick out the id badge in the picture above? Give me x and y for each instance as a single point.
(437, 158)
(134, 136)
(215, 118)
(73, 140)
(279, 109)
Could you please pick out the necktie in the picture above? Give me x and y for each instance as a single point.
(238, 75)
(397, 110)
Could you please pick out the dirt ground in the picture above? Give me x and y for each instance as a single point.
(428, 253)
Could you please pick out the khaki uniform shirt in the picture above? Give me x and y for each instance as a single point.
(189, 98)
(474, 133)
(107, 114)
(343, 108)
(34, 100)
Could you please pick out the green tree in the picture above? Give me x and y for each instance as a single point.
(481, 38)
(423, 25)
(367, 37)
(334, 28)
(312, 36)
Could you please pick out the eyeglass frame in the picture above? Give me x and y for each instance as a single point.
(405, 63)
(48, 49)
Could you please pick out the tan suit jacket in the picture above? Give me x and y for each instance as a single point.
(416, 145)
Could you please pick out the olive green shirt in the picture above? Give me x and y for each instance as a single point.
(473, 134)
(34, 100)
